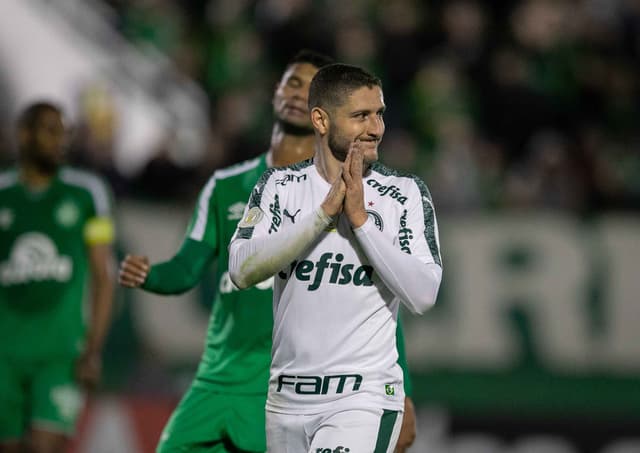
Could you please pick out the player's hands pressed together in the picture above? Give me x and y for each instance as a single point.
(133, 271)
(352, 175)
(332, 204)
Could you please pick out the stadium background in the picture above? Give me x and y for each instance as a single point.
(520, 115)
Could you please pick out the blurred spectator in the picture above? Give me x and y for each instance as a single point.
(356, 43)
(474, 89)
(159, 23)
(403, 31)
(93, 144)
(453, 173)
(464, 24)
(438, 93)
(288, 25)
(547, 178)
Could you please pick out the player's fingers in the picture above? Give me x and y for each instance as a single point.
(136, 268)
(339, 182)
(347, 161)
(141, 262)
(357, 159)
(130, 278)
(137, 264)
(346, 167)
(357, 154)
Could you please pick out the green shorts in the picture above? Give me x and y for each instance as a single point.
(40, 395)
(208, 421)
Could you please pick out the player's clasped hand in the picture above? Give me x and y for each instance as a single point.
(332, 204)
(352, 171)
(133, 271)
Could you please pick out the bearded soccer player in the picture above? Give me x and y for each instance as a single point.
(364, 241)
(55, 225)
(223, 411)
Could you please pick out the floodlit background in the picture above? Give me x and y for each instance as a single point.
(521, 116)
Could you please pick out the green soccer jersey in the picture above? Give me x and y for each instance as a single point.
(43, 261)
(238, 345)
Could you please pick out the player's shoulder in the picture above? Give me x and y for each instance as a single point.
(278, 175)
(301, 167)
(282, 176)
(8, 178)
(80, 177)
(241, 168)
(382, 176)
(88, 182)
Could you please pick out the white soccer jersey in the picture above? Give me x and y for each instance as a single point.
(337, 290)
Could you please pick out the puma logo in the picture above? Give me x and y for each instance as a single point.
(292, 217)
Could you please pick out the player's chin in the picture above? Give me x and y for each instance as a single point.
(371, 156)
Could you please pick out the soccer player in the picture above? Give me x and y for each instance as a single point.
(55, 228)
(346, 240)
(223, 411)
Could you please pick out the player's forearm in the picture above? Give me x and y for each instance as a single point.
(182, 272)
(254, 260)
(102, 289)
(412, 281)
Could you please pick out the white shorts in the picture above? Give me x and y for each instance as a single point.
(348, 431)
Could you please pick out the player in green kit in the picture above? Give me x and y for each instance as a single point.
(224, 409)
(55, 231)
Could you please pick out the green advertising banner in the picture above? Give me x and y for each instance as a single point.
(538, 314)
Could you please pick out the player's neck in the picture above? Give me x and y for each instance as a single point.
(327, 165)
(289, 149)
(35, 179)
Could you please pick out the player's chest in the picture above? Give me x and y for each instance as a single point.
(57, 220)
(386, 207)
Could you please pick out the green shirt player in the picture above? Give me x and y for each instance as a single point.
(55, 229)
(224, 409)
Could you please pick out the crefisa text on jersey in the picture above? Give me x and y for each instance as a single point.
(392, 191)
(340, 274)
(405, 234)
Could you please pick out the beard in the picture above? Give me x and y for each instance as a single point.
(338, 145)
(295, 129)
(45, 164)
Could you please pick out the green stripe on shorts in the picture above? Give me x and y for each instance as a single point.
(387, 422)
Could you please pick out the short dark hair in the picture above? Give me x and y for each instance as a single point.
(335, 82)
(31, 114)
(311, 57)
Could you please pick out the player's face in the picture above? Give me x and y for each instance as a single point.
(290, 101)
(358, 119)
(46, 142)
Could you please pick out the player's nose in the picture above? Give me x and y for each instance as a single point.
(375, 127)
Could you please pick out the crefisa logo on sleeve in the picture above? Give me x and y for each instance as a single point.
(405, 234)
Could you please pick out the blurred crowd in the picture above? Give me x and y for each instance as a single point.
(528, 104)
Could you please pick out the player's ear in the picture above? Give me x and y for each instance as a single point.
(320, 120)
